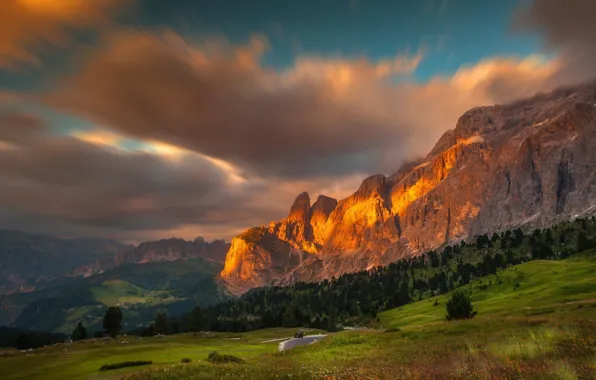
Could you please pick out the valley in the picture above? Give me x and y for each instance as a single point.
(172, 275)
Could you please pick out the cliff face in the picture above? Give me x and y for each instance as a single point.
(524, 164)
(265, 254)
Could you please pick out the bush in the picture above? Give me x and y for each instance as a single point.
(108, 367)
(217, 358)
(185, 360)
(459, 306)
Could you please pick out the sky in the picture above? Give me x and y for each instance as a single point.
(144, 119)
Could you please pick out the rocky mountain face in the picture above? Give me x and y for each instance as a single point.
(264, 254)
(165, 250)
(526, 164)
(27, 260)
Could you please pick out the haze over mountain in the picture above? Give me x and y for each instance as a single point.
(30, 261)
(45, 282)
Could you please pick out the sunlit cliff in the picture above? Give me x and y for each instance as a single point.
(522, 164)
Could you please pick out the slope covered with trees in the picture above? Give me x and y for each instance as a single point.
(357, 298)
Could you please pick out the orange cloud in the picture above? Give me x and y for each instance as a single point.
(27, 25)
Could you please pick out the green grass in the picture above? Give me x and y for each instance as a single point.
(114, 292)
(545, 287)
(81, 360)
(544, 329)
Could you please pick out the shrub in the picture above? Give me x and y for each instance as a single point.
(459, 306)
(185, 360)
(108, 367)
(217, 358)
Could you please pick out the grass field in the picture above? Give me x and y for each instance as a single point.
(535, 321)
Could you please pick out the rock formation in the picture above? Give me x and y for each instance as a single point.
(526, 164)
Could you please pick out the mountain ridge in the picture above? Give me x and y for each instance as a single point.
(29, 261)
(519, 164)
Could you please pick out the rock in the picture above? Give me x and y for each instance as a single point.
(523, 164)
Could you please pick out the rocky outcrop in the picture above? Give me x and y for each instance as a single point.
(523, 164)
(265, 254)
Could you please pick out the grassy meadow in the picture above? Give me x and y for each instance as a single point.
(535, 321)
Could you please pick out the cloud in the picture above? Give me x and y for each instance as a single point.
(77, 186)
(322, 117)
(217, 99)
(568, 30)
(27, 25)
(204, 137)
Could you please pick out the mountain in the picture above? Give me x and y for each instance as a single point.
(28, 261)
(78, 278)
(263, 254)
(140, 290)
(165, 250)
(527, 163)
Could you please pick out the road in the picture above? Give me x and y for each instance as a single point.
(295, 342)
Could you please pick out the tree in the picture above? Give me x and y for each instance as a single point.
(268, 319)
(112, 321)
(332, 320)
(79, 333)
(459, 306)
(582, 241)
(23, 342)
(161, 323)
(288, 319)
(196, 319)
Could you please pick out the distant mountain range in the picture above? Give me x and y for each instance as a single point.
(29, 261)
(50, 284)
(528, 164)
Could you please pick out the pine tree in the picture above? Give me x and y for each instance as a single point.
(196, 319)
(268, 319)
(161, 323)
(112, 321)
(332, 321)
(288, 319)
(79, 333)
(459, 306)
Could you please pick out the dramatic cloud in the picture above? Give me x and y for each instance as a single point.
(66, 185)
(218, 100)
(323, 117)
(26, 25)
(203, 138)
(569, 30)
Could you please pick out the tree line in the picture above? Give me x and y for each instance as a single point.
(357, 298)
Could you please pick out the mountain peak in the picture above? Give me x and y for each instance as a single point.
(300, 210)
(503, 166)
(373, 184)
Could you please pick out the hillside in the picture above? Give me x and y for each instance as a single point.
(521, 164)
(139, 289)
(542, 329)
(358, 298)
(29, 261)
